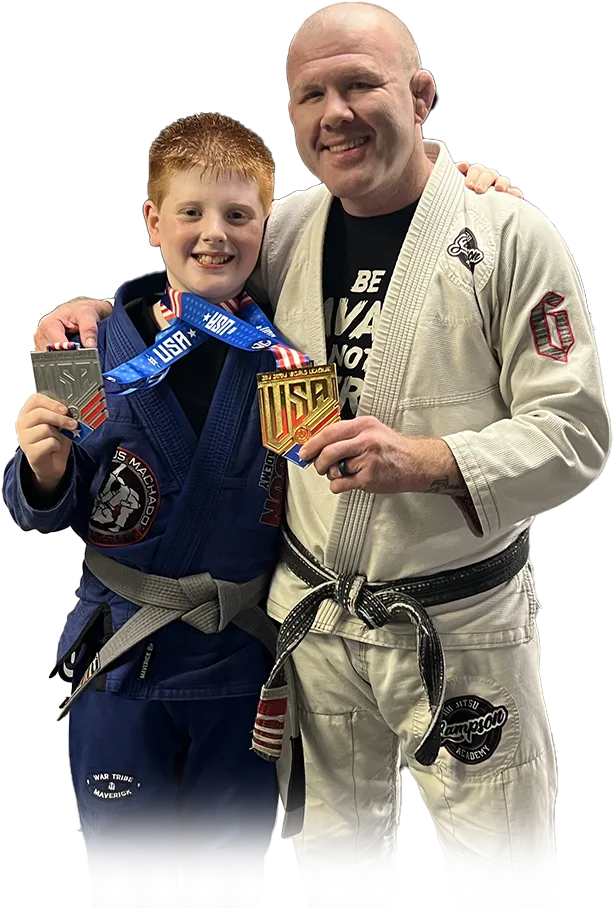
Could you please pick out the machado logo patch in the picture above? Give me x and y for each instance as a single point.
(126, 505)
(471, 728)
(111, 786)
(465, 247)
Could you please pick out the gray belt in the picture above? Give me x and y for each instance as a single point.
(207, 604)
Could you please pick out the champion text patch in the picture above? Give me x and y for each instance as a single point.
(471, 728)
(126, 505)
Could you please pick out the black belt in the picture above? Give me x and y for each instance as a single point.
(378, 603)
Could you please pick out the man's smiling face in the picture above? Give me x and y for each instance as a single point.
(352, 110)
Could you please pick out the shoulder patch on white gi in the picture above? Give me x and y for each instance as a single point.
(465, 246)
(126, 505)
(480, 728)
(551, 328)
(111, 786)
(469, 254)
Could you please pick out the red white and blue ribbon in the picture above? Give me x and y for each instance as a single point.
(192, 320)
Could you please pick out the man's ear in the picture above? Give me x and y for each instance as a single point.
(423, 90)
(152, 219)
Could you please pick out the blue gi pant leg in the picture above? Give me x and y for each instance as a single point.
(228, 800)
(169, 787)
(129, 826)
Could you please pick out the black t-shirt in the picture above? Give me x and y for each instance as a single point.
(194, 378)
(359, 257)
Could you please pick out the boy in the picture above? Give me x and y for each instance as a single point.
(174, 484)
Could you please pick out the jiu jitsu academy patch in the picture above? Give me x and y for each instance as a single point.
(471, 728)
(465, 248)
(126, 505)
(111, 786)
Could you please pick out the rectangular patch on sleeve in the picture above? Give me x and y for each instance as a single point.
(551, 327)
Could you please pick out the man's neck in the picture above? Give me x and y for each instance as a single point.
(406, 191)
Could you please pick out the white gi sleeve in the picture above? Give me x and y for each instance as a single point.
(557, 437)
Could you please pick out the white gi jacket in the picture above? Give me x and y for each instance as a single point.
(484, 340)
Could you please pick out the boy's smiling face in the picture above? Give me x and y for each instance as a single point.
(209, 229)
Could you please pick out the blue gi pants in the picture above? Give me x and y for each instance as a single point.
(168, 784)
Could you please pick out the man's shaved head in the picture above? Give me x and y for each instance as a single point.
(357, 16)
(358, 99)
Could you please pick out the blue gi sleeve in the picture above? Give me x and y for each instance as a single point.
(33, 510)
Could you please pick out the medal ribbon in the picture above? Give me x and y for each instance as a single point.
(191, 321)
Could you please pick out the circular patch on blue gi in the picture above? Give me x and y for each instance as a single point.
(111, 786)
(127, 503)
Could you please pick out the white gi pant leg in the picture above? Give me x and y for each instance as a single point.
(490, 793)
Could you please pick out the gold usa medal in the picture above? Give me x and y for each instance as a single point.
(295, 404)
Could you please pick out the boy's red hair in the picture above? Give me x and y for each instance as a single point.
(215, 143)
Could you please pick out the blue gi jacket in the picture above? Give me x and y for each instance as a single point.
(146, 491)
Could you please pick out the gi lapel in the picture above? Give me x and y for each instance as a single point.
(234, 397)
(157, 407)
(301, 321)
(387, 365)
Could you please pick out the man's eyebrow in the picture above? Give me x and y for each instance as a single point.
(353, 75)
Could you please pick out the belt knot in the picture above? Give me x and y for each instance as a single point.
(348, 591)
(352, 594)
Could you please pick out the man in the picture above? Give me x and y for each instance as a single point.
(472, 396)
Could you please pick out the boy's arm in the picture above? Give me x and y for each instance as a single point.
(48, 512)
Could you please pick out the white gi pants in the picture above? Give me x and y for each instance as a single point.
(490, 793)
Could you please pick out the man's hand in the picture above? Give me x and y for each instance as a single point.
(381, 460)
(480, 178)
(79, 316)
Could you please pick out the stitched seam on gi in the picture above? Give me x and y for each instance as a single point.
(507, 820)
(452, 824)
(409, 403)
(353, 741)
(394, 790)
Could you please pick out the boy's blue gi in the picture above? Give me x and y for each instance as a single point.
(144, 490)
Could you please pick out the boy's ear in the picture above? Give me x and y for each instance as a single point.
(152, 218)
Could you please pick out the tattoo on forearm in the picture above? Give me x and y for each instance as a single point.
(443, 486)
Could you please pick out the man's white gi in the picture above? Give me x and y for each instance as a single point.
(485, 340)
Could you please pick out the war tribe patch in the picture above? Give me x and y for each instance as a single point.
(471, 728)
(111, 786)
(126, 505)
(465, 248)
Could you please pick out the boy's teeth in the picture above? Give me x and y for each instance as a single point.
(347, 145)
(213, 259)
